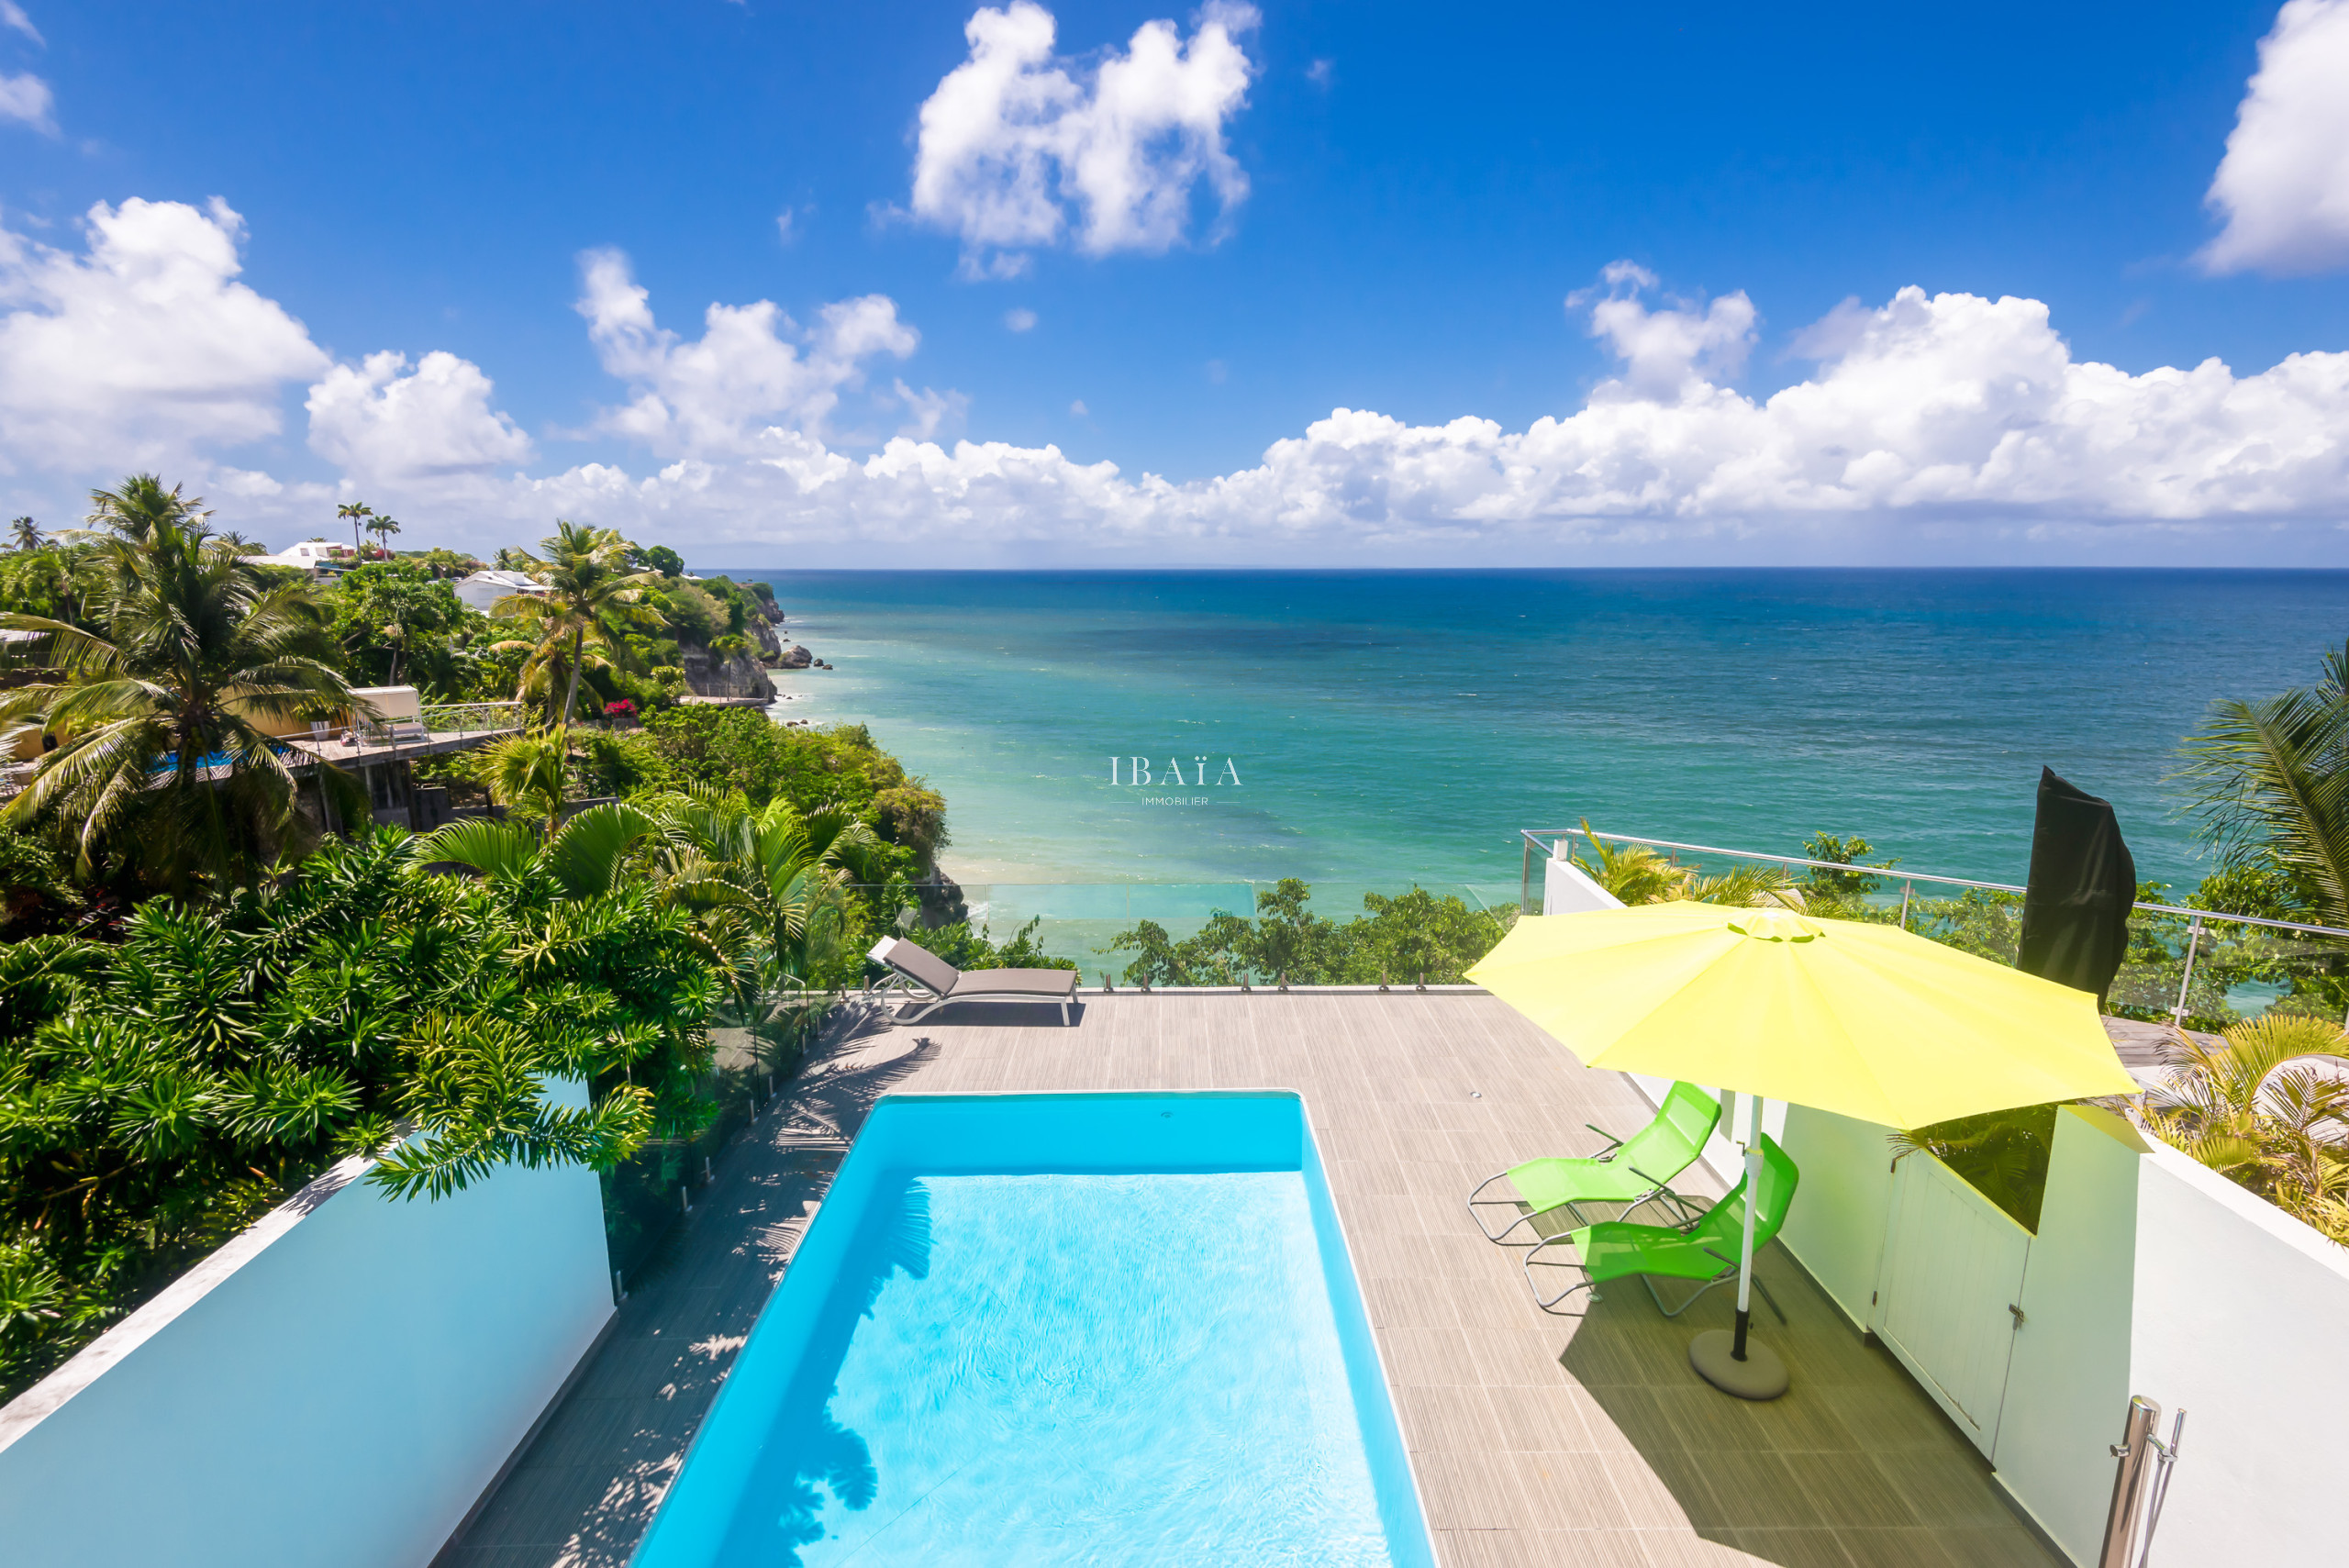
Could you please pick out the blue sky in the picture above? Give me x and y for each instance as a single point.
(1424, 190)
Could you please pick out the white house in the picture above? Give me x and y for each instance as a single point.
(482, 589)
(315, 556)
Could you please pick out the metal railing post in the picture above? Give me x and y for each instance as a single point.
(2122, 1519)
(1525, 883)
(1905, 889)
(2193, 940)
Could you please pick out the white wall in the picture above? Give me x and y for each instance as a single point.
(1836, 1228)
(1567, 889)
(2068, 1381)
(2239, 1316)
(334, 1387)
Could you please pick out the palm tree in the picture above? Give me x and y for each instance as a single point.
(526, 775)
(358, 512)
(141, 505)
(589, 586)
(2270, 781)
(382, 527)
(2270, 1109)
(160, 722)
(26, 533)
(771, 881)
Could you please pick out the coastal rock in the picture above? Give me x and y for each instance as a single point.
(941, 901)
(795, 657)
(737, 676)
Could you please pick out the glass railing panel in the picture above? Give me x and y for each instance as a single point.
(1084, 922)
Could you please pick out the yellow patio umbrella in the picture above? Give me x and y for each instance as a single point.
(1865, 1021)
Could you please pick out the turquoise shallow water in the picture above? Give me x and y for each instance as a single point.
(1388, 727)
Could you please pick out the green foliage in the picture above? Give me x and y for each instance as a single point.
(1638, 875)
(36, 890)
(2259, 885)
(2270, 782)
(154, 1096)
(1400, 940)
(592, 598)
(913, 816)
(742, 750)
(397, 622)
(1842, 852)
(56, 581)
(2269, 1111)
(166, 768)
(2002, 1154)
(966, 948)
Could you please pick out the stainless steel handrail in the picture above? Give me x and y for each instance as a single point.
(1533, 841)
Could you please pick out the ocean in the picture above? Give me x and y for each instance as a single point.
(1377, 729)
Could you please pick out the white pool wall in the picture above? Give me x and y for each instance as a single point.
(334, 1388)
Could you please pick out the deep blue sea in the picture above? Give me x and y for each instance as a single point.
(1386, 726)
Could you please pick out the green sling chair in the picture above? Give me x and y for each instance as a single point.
(1630, 1173)
(1705, 1249)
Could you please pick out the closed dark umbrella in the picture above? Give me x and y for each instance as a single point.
(2083, 880)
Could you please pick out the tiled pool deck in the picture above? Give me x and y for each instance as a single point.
(1538, 1439)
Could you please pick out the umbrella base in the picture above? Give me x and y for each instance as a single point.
(1761, 1375)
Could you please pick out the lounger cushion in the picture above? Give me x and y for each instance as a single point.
(918, 964)
(1055, 984)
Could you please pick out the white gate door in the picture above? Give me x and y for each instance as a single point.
(1948, 1295)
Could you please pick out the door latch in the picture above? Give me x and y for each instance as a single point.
(2018, 1312)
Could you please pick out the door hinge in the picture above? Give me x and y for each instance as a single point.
(1870, 1298)
(2020, 1319)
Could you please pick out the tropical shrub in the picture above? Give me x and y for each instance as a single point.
(2269, 1111)
(1636, 874)
(2001, 1154)
(1401, 939)
(965, 948)
(156, 1094)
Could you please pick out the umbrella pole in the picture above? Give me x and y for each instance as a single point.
(1745, 1247)
(1726, 1359)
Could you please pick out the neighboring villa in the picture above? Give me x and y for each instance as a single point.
(482, 589)
(317, 556)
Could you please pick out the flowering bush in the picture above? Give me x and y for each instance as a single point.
(623, 708)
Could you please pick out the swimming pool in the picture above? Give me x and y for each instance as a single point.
(1059, 1328)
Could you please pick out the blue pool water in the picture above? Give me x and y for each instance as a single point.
(1040, 1329)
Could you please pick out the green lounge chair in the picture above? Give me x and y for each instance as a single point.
(1630, 1173)
(1705, 1249)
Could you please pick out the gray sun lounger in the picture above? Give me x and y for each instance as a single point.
(933, 983)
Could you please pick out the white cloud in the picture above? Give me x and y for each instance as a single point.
(142, 349)
(1951, 414)
(1017, 146)
(718, 394)
(1679, 350)
(1019, 320)
(12, 16)
(2283, 187)
(25, 99)
(1080, 410)
(380, 421)
(786, 226)
(1945, 417)
(932, 410)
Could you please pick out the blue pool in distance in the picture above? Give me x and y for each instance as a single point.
(1059, 1328)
